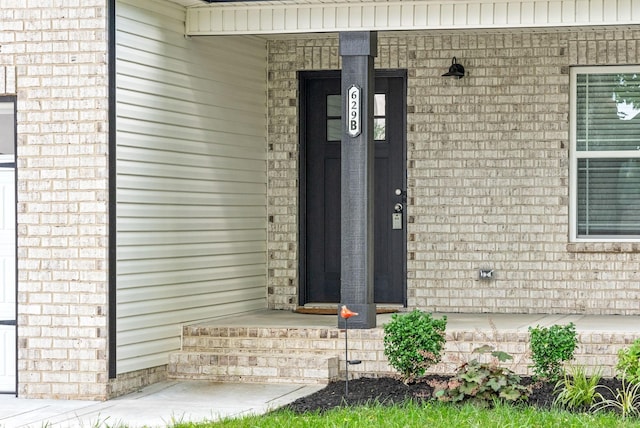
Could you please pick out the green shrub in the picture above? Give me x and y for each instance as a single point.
(577, 391)
(483, 383)
(628, 366)
(550, 348)
(413, 342)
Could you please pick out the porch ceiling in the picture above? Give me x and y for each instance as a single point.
(312, 16)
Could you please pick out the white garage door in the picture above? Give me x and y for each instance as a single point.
(7, 251)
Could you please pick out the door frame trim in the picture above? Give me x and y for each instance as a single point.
(112, 261)
(303, 77)
(14, 99)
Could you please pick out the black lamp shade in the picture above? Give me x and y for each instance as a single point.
(456, 70)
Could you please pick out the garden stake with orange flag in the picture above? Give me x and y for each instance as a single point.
(346, 313)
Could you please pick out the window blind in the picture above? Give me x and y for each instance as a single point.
(608, 184)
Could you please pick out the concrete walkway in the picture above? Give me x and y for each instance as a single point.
(159, 405)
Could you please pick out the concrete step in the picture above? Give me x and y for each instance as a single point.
(260, 339)
(256, 367)
(284, 333)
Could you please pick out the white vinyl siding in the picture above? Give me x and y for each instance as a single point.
(191, 179)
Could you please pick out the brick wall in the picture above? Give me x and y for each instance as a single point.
(487, 171)
(596, 351)
(223, 350)
(53, 55)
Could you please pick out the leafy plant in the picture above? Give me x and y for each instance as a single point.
(577, 391)
(492, 338)
(628, 366)
(483, 383)
(626, 401)
(413, 342)
(550, 348)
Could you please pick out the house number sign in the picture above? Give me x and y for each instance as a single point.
(353, 111)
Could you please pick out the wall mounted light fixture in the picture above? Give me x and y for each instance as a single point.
(456, 70)
(485, 274)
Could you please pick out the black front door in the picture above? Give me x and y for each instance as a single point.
(320, 139)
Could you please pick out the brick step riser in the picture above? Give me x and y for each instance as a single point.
(258, 368)
(596, 350)
(264, 345)
(217, 339)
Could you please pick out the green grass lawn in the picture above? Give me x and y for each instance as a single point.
(431, 414)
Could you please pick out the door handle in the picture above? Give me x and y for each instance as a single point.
(397, 208)
(7, 322)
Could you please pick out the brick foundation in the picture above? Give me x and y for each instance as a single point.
(289, 354)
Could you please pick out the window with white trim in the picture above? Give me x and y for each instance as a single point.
(605, 153)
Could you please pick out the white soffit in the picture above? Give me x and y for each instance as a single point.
(280, 17)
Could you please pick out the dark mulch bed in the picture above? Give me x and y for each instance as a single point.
(393, 391)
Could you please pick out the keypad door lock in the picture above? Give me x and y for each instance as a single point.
(396, 217)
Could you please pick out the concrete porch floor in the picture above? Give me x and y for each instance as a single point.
(618, 324)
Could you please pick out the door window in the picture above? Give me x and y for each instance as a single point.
(334, 117)
(379, 117)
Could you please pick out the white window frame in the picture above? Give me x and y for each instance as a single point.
(574, 155)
